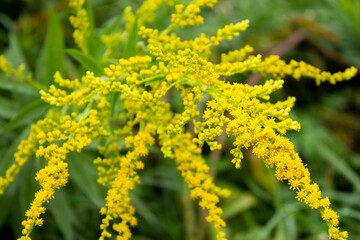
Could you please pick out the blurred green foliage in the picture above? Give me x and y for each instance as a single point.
(260, 208)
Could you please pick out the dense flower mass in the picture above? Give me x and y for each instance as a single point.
(125, 111)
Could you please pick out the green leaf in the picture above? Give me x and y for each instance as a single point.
(60, 209)
(113, 105)
(8, 109)
(90, 14)
(8, 158)
(26, 114)
(84, 173)
(131, 44)
(114, 25)
(14, 53)
(92, 41)
(28, 185)
(238, 201)
(51, 58)
(15, 86)
(6, 21)
(265, 231)
(155, 79)
(286, 229)
(7, 200)
(86, 61)
(341, 165)
(145, 211)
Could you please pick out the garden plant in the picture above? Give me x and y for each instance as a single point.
(121, 105)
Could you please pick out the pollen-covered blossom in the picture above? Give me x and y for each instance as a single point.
(59, 97)
(229, 31)
(236, 55)
(25, 149)
(125, 111)
(112, 42)
(9, 70)
(75, 132)
(195, 173)
(261, 125)
(80, 22)
(278, 68)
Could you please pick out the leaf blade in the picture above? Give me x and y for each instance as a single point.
(86, 61)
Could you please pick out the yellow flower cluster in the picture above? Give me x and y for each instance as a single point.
(121, 176)
(76, 4)
(128, 106)
(59, 97)
(130, 66)
(236, 55)
(189, 97)
(261, 125)
(229, 31)
(195, 173)
(145, 14)
(25, 149)
(234, 67)
(74, 132)
(66, 83)
(278, 69)
(80, 22)
(112, 43)
(9, 70)
(200, 45)
(188, 16)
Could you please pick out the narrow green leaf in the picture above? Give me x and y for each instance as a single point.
(51, 58)
(237, 203)
(114, 25)
(341, 165)
(265, 231)
(40, 69)
(344, 197)
(6, 21)
(26, 114)
(155, 79)
(7, 200)
(90, 14)
(14, 53)
(16, 86)
(8, 108)
(28, 185)
(92, 41)
(131, 44)
(237, 206)
(86, 61)
(113, 104)
(60, 209)
(84, 174)
(145, 212)
(286, 229)
(8, 158)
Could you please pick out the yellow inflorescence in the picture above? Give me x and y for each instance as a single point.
(229, 31)
(26, 149)
(80, 22)
(189, 15)
(7, 68)
(195, 173)
(126, 111)
(112, 43)
(236, 55)
(278, 68)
